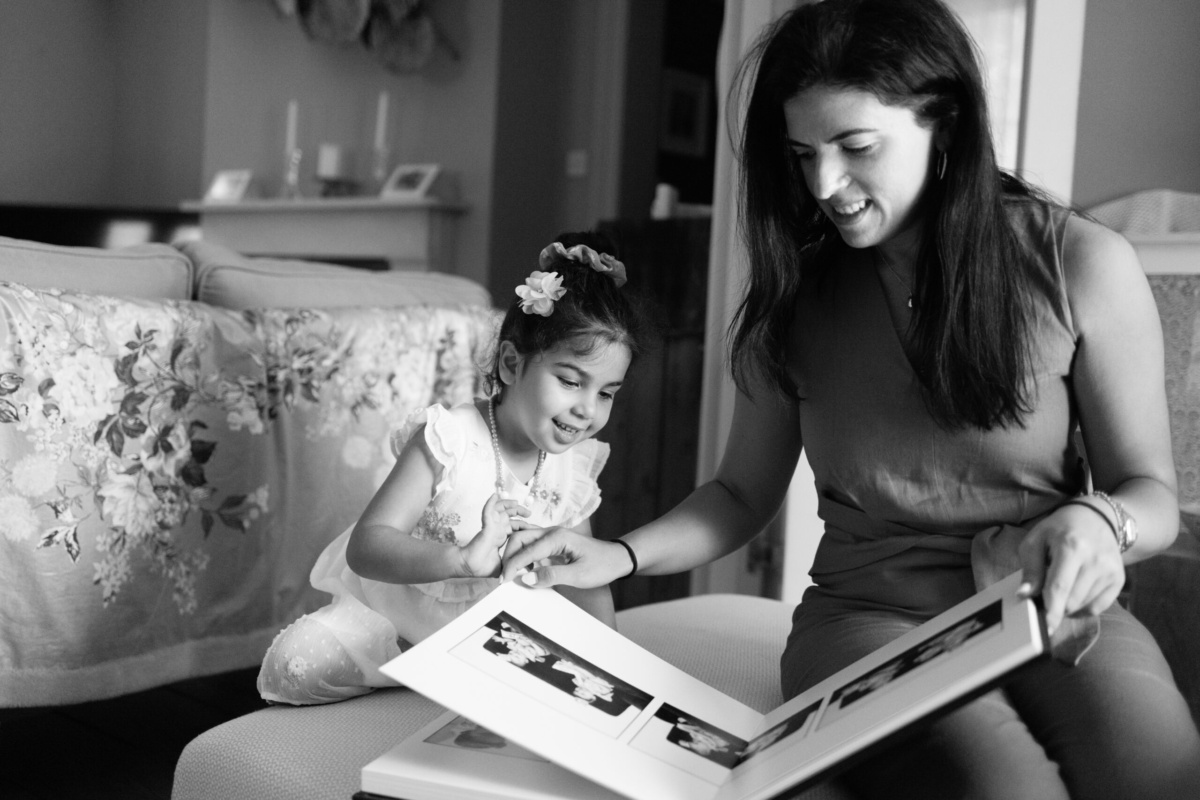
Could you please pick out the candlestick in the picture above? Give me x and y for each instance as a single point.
(290, 188)
(381, 120)
(293, 112)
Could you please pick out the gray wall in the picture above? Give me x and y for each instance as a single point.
(1139, 99)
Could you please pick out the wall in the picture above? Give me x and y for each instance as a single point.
(560, 90)
(643, 78)
(58, 89)
(160, 62)
(527, 196)
(129, 103)
(1139, 108)
(258, 61)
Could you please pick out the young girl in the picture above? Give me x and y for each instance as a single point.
(428, 545)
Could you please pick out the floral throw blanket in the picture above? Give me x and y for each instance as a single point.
(170, 471)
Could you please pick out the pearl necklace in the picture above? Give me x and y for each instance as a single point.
(496, 450)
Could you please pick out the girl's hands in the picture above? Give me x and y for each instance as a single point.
(481, 555)
(560, 556)
(1073, 559)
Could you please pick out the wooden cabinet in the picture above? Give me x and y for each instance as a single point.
(654, 428)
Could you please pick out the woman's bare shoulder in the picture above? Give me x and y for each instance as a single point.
(1101, 268)
(1089, 247)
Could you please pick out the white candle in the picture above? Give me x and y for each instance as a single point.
(329, 162)
(381, 120)
(292, 113)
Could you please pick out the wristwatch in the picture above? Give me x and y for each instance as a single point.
(1127, 529)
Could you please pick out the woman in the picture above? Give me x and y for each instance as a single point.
(933, 331)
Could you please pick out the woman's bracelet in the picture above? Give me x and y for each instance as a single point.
(1127, 531)
(632, 557)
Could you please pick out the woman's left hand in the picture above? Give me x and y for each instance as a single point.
(1073, 559)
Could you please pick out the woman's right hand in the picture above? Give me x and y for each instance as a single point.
(546, 557)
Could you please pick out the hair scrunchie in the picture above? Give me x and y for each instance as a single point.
(601, 262)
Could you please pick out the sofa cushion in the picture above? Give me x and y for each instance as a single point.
(153, 271)
(228, 279)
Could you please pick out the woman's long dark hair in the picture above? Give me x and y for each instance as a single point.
(972, 313)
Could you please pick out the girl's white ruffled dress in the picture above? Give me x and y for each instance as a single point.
(371, 621)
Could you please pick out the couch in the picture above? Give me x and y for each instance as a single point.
(317, 752)
(182, 430)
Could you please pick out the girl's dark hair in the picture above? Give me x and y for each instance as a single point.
(593, 312)
(972, 308)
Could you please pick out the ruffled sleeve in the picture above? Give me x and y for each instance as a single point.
(589, 459)
(443, 436)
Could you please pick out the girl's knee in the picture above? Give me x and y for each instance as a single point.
(307, 665)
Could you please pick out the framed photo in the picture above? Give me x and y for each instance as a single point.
(229, 186)
(683, 126)
(410, 181)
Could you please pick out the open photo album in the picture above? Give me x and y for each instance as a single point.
(547, 702)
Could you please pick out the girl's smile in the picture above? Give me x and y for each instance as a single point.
(567, 432)
(556, 399)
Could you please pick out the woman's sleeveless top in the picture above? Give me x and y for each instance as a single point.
(901, 497)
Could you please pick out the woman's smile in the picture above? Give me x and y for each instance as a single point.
(865, 162)
(846, 214)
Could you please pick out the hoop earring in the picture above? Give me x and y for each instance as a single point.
(941, 165)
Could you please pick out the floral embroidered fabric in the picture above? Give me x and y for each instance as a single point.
(169, 472)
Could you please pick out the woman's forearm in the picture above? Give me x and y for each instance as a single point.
(598, 602)
(710, 523)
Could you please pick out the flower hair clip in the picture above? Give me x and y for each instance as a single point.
(540, 292)
(601, 262)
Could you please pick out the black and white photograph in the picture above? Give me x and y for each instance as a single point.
(797, 723)
(687, 741)
(463, 733)
(889, 674)
(514, 652)
(697, 736)
(752, 342)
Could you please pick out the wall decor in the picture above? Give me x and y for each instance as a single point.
(401, 34)
(410, 181)
(229, 186)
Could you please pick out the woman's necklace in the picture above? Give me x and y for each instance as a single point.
(496, 450)
(899, 277)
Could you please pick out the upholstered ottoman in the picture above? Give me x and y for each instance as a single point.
(731, 642)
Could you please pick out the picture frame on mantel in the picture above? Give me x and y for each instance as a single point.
(410, 182)
(229, 186)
